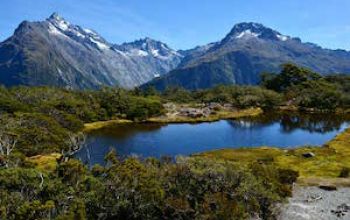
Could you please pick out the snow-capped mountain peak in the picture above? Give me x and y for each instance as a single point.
(58, 22)
(75, 57)
(254, 30)
(148, 47)
(59, 26)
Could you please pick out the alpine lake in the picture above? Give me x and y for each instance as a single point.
(283, 130)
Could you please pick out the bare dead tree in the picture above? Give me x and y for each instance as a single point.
(75, 142)
(7, 143)
(8, 139)
(41, 179)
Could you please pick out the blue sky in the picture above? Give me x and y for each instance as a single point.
(183, 24)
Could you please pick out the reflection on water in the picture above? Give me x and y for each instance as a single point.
(289, 122)
(124, 131)
(156, 140)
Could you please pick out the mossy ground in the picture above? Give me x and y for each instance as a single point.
(45, 162)
(101, 124)
(330, 159)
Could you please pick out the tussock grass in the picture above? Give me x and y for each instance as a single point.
(45, 162)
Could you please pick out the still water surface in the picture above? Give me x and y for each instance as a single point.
(156, 140)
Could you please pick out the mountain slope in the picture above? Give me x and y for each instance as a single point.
(151, 52)
(247, 51)
(57, 53)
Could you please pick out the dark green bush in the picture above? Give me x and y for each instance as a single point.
(287, 176)
(142, 108)
(345, 172)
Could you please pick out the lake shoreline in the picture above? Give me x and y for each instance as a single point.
(220, 115)
(324, 166)
(327, 162)
(174, 116)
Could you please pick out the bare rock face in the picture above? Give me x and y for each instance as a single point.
(57, 53)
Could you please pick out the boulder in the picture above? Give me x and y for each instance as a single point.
(206, 112)
(308, 155)
(328, 187)
(214, 106)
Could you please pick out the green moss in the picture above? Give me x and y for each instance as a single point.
(45, 162)
(328, 162)
(101, 124)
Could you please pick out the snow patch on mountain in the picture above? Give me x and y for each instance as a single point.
(63, 25)
(77, 33)
(88, 31)
(99, 44)
(135, 53)
(54, 31)
(59, 26)
(155, 52)
(282, 37)
(141, 53)
(59, 22)
(247, 33)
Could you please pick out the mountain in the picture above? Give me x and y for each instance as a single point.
(247, 51)
(151, 52)
(57, 53)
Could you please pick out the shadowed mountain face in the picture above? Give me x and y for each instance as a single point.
(57, 53)
(247, 51)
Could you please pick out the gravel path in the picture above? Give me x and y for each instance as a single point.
(313, 203)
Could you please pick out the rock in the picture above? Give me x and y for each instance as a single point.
(341, 210)
(195, 112)
(170, 106)
(313, 198)
(308, 155)
(206, 112)
(214, 106)
(344, 207)
(328, 187)
(228, 106)
(195, 115)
